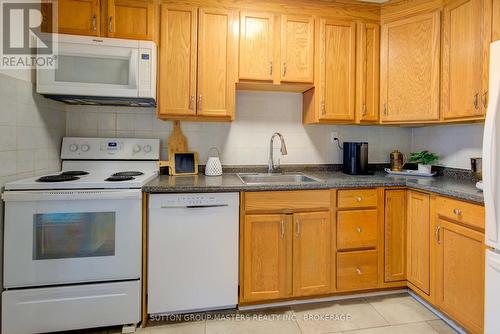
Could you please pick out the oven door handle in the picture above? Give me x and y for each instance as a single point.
(71, 195)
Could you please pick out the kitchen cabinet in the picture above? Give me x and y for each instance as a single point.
(466, 39)
(267, 250)
(460, 274)
(337, 61)
(197, 63)
(409, 69)
(286, 245)
(357, 270)
(496, 20)
(276, 48)
(395, 235)
(311, 253)
(297, 48)
(418, 239)
(367, 72)
(78, 17)
(131, 19)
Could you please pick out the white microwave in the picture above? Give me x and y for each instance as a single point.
(101, 71)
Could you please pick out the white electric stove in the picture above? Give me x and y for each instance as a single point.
(72, 250)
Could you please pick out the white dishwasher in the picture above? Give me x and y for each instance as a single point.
(192, 252)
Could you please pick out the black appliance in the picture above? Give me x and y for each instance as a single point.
(356, 158)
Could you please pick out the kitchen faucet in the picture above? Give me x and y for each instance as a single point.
(272, 168)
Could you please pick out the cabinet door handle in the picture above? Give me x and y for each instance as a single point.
(284, 69)
(270, 68)
(282, 229)
(438, 234)
(364, 110)
(297, 228)
(94, 22)
(199, 102)
(323, 111)
(191, 102)
(485, 99)
(476, 101)
(385, 108)
(110, 25)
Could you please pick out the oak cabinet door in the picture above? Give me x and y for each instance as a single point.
(409, 69)
(367, 72)
(395, 235)
(132, 19)
(311, 253)
(418, 226)
(496, 20)
(256, 46)
(297, 48)
(216, 62)
(337, 70)
(460, 274)
(267, 254)
(79, 17)
(177, 57)
(463, 26)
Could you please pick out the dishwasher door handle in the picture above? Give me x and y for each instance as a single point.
(194, 206)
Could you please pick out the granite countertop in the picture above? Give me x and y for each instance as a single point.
(443, 185)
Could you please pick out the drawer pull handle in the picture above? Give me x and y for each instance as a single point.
(359, 229)
(359, 271)
(359, 198)
(458, 212)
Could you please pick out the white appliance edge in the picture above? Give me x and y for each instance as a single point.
(491, 184)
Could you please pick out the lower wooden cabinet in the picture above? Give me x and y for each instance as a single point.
(267, 257)
(357, 270)
(418, 227)
(395, 236)
(311, 253)
(460, 253)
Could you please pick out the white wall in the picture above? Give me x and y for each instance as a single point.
(455, 144)
(246, 140)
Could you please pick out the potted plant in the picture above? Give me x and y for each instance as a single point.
(424, 159)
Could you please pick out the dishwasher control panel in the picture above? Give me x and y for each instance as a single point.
(193, 200)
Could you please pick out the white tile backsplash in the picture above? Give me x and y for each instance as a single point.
(246, 140)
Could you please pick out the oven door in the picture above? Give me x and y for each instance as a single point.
(92, 67)
(60, 237)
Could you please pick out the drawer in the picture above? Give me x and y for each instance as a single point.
(357, 198)
(287, 200)
(462, 212)
(357, 270)
(356, 229)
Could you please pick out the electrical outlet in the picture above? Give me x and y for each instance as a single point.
(334, 135)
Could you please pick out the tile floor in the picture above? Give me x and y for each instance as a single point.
(393, 314)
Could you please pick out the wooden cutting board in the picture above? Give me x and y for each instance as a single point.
(177, 142)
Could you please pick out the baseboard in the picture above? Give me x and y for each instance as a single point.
(322, 299)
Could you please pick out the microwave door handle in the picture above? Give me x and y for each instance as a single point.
(134, 69)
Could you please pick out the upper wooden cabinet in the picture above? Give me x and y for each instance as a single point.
(267, 251)
(129, 19)
(395, 235)
(197, 63)
(78, 17)
(466, 39)
(460, 273)
(256, 46)
(276, 48)
(409, 69)
(418, 239)
(337, 61)
(367, 72)
(297, 48)
(495, 20)
(133, 19)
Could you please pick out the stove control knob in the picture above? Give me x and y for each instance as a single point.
(136, 149)
(85, 148)
(73, 148)
(147, 148)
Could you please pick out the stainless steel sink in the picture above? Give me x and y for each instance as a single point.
(264, 178)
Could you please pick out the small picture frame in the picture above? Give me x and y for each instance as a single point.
(184, 163)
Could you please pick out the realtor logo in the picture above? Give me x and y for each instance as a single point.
(23, 44)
